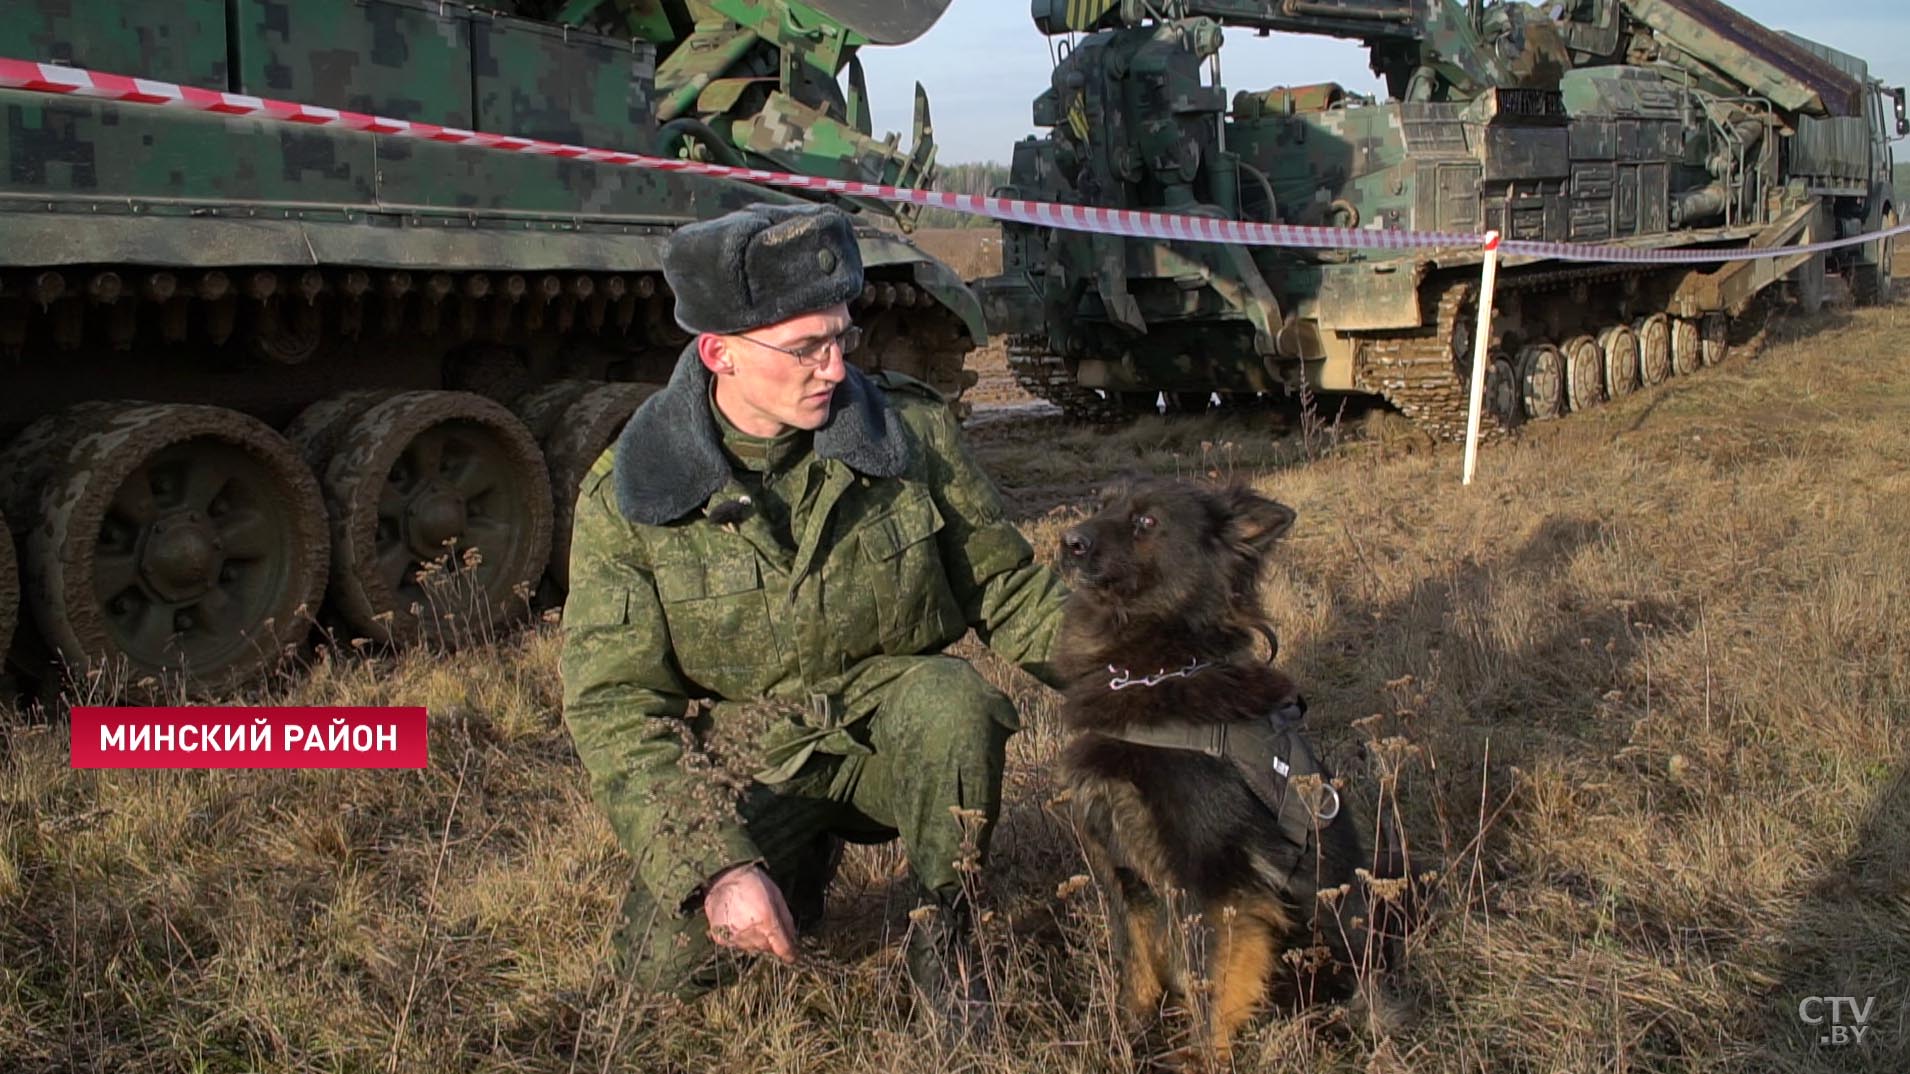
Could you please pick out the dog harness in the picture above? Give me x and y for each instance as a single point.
(1269, 753)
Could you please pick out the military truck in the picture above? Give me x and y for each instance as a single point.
(261, 376)
(1657, 124)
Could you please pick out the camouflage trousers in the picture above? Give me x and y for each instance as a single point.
(938, 737)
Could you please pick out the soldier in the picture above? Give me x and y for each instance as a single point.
(793, 542)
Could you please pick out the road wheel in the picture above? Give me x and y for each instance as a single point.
(1714, 333)
(317, 430)
(1687, 347)
(1584, 373)
(441, 514)
(178, 539)
(1502, 391)
(35, 452)
(1654, 348)
(1619, 344)
(542, 408)
(588, 427)
(1542, 381)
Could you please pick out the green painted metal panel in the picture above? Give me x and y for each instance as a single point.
(170, 40)
(401, 58)
(457, 177)
(541, 81)
(99, 149)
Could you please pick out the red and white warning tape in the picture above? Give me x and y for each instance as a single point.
(72, 82)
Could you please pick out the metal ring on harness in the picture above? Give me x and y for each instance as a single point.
(1323, 801)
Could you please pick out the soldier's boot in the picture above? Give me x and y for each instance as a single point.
(809, 881)
(946, 969)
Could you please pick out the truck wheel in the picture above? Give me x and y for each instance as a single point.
(1873, 283)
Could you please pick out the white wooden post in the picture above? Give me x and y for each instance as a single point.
(1481, 343)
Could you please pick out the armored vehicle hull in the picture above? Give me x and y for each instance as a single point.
(262, 376)
(1656, 124)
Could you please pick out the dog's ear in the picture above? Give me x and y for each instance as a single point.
(1253, 521)
(1120, 486)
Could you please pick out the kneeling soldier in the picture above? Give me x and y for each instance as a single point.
(795, 542)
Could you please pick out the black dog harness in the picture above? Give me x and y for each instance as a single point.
(1268, 753)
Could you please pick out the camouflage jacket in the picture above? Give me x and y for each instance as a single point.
(900, 546)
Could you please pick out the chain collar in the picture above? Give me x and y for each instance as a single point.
(1120, 678)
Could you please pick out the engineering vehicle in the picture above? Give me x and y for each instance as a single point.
(1644, 123)
(262, 376)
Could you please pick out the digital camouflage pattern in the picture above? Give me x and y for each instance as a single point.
(794, 647)
(281, 272)
(762, 75)
(934, 743)
(243, 191)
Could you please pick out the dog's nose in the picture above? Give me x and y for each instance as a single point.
(1077, 542)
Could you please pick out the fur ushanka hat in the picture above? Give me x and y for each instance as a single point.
(761, 264)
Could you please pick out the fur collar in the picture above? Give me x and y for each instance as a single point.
(669, 457)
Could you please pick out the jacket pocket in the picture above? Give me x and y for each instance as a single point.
(914, 606)
(718, 615)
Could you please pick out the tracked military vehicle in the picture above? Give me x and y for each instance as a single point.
(261, 375)
(1660, 124)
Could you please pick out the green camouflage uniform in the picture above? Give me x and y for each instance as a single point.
(831, 600)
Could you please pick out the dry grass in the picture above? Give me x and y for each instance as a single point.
(1654, 665)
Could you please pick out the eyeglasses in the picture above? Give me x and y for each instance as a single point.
(818, 352)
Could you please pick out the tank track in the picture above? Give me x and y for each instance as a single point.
(1045, 376)
(1424, 372)
(910, 333)
(285, 317)
(1420, 373)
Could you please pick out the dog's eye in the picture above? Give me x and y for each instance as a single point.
(1143, 522)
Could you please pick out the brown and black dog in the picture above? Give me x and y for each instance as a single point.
(1159, 647)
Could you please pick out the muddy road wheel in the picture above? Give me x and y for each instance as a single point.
(1714, 334)
(542, 408)
(588, 426)
(1584, 373)
(1542, 381)
(1654, 349)
(319, 428)
(178, 540)
(35, 452)
(1620, 346)
(1687, 347)
(441, 515)
(1502, 391)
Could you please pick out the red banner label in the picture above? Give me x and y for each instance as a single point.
(238, 737)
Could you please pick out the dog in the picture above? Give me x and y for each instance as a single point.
(1189, 780)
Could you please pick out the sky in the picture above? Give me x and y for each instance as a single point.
(984, 63)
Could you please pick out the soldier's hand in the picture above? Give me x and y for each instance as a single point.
(746, 911)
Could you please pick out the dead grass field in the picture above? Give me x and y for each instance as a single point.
(1652, 668)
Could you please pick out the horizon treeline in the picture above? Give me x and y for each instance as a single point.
(977, 178)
